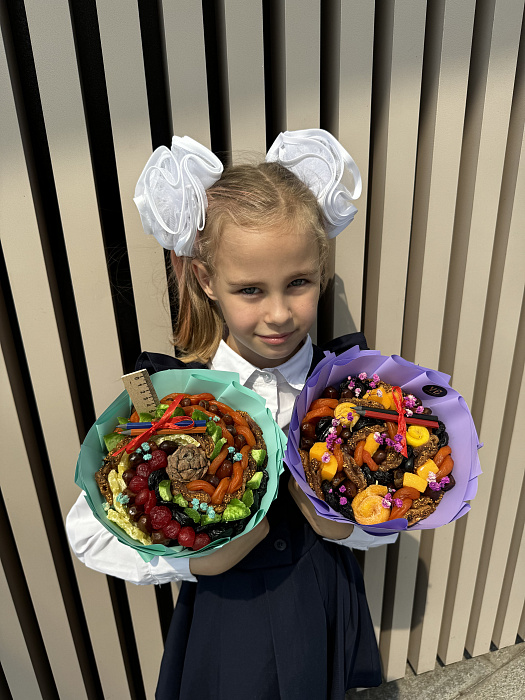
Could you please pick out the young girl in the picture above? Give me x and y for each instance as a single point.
(280, 612)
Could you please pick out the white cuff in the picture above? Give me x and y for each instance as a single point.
(359, 539)
(98, 549)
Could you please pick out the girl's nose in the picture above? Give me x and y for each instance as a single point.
(278, 312)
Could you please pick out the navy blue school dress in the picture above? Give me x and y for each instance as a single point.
(290, 621)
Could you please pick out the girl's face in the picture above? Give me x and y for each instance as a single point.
(267, 285)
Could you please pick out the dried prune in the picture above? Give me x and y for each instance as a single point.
(443, 439)
(155, 478)
(322, 428)
(383, 478)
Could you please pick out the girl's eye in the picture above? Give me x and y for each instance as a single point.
(249, 291)
(298, 282)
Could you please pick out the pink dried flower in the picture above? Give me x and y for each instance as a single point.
(419, 409)
(398, 502)
(343, 501)
(363, 376)
(326, 457)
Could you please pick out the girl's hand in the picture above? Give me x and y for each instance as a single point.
(322, 526)
(230, 554)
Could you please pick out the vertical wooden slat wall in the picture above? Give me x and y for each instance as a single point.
(429, 98)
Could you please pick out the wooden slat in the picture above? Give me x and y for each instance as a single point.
(147, 633)
(130, 123)
(396, 99)
(504, 500)
(36, 318)
(246, 79)
(510, 579)
(124, 72)
(443, 99)
(52, 43)
(400, 581)
(430, 591)
(493, 127)
(46, 356)
(35, 554)
(374, 575)
(13, 651)
(302, 64)
(187, 70)
(490, 161)
(354, 134)
(512, 598)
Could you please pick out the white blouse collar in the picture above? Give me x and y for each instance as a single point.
(294, 370)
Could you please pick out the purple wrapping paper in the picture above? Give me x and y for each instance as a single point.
(450, 408)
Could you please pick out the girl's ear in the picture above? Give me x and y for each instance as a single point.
(203, 278)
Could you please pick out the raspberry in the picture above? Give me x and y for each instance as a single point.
(159, 460)
(201, 540)
(138, 483)
(160, 516)
(186, 536)
(151, 502)
(171, 530)
(141, 497)
(144, 470)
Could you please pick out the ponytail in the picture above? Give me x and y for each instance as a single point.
(200, 326)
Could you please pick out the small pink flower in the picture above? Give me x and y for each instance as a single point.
(419, 409)
(398, 502)
(434, 485)
(431, 477)
(372, 385)
(386, 503)
(357, 391)
(339, 441)
(375, 377)
(398, 447)
(408, 412)
(445, 480)
(378, 438)
(363, 376)
(326, 457)
(335, 422)
(342, 488)
(350, 415)
(343, 501)
(379, 393)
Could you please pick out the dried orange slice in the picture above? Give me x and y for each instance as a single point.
(371, 511)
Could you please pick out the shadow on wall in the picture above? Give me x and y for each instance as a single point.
(344, 323)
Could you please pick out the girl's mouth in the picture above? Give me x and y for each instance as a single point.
(275, 339)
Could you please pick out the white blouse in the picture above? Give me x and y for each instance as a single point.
(98, 549)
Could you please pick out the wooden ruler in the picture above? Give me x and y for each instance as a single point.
(140, 389)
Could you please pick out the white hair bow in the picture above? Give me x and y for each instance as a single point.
(171, 192)
(319, 160)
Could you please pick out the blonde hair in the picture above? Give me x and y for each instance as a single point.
(249, 196)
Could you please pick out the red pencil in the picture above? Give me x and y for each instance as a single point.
(387, 415)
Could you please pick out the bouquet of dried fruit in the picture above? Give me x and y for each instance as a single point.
(383, 443)
(199, 470)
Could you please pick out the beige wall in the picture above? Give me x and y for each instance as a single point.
(433, 269)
